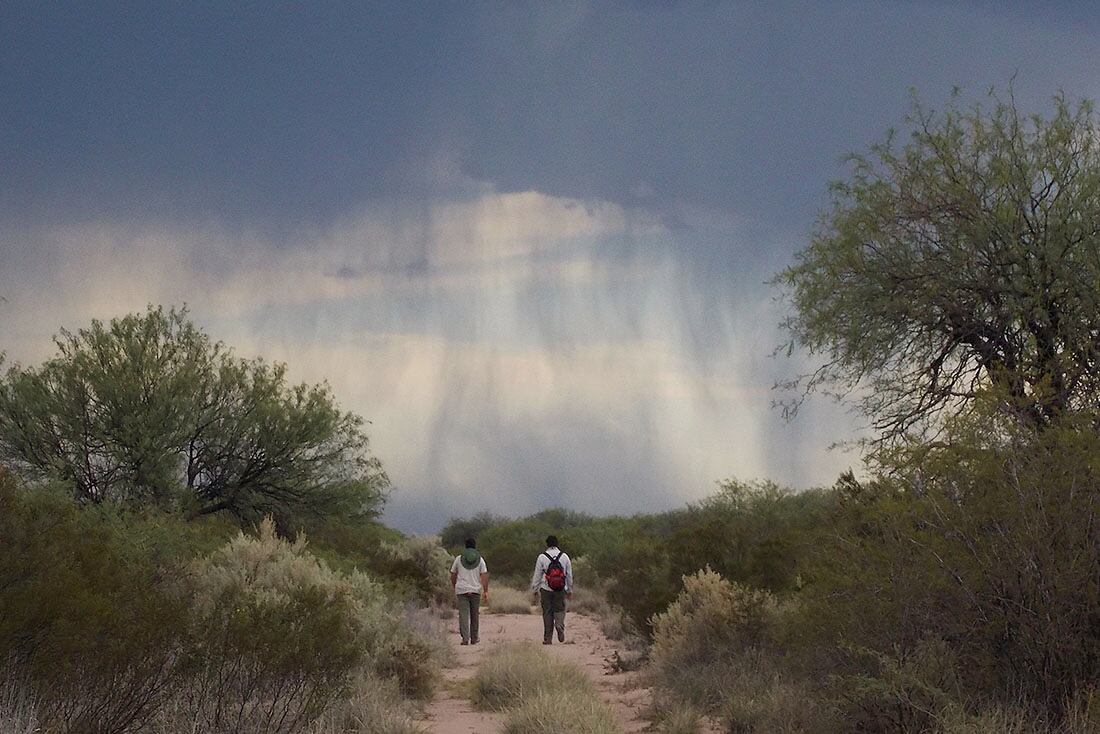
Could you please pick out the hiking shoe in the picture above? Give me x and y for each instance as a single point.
(464, 642)
(548, 641)
(561, 635)
(474, 641)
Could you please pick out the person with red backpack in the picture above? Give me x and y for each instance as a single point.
(553, 581)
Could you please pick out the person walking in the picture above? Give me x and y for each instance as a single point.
(553, 582)
(470, 581)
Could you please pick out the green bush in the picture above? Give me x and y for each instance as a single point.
(963, 581)
(425, 563)
(89, 622)
(280, 635)
(454, 533)
(712, 623)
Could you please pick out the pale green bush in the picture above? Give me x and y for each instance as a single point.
(375, 706)
(552, 712)
(590, 601)
(514, 673)
(281, 635)
(711, 625)
(427, 562)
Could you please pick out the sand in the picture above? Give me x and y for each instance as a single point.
(585, 645)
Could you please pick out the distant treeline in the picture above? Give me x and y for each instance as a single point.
(755, 533)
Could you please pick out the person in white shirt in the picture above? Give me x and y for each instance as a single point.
(470, 580)
(553, 582)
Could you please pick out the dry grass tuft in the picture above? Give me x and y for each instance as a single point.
(17, 708)
(516, 672)
(551, 713)
(374, 707)
(506, 600)
(541, 694)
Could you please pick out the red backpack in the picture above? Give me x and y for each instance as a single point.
(555, 574)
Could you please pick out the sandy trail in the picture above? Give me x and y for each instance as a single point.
(585, 646)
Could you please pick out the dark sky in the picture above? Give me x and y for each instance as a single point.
(529, 241)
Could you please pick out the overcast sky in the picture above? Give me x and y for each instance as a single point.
(528, 241)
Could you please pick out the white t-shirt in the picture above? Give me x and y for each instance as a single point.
(469, 579)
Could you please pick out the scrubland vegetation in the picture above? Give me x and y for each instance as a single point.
(955, 585)
(190, 544)
(156, 496)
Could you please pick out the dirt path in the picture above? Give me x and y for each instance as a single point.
(585, 646)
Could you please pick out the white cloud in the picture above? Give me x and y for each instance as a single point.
(577, 379)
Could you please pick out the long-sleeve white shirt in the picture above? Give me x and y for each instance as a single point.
(538, 579)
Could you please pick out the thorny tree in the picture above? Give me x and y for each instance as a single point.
(147, 409)
(965, 262)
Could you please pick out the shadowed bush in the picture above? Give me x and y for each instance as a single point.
(18, 713)
(89, 622)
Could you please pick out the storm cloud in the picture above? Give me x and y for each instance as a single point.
(528, 242)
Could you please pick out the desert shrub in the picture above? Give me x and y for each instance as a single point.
(375, 706)
(986, 545)
(903, 692)
(454, 533)
(424, 563)
(514, 673)
(89, 623)
(280, 636)
(717, 650)
(643, 582)
(425, 624)
(712, 623)
(762, 701)
(680, 719)
(549, 713)
(754, 533)
(588, 600)
(506, 600)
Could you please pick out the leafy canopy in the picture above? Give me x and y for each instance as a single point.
(147, 408)
(967, 261)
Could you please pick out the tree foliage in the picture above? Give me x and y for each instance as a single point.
(147, 408)
(967, 260)
(989, 546)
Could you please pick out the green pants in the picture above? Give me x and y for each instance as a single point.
(469, 606)
(553, 614)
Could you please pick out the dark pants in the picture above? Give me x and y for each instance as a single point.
(468, 612)
(553, 614)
